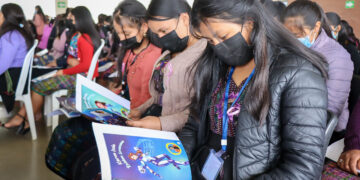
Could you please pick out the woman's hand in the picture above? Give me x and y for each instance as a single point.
(134, 114)
(59, 73)
(52, 64)
(350, 161)
(72, 62)
(149, 122)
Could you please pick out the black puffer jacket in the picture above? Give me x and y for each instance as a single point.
(289, 144)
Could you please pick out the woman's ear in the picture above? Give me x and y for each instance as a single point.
(184, 17)
(338, 28)
(317, 27)
(144, 29)
(185, 20)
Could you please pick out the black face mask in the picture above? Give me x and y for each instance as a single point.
(130, 43)
(154, 38)
(69, 24)
(173, 43)
(234, 51)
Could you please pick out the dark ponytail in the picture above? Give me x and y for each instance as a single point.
(15, 20)
(311, 13)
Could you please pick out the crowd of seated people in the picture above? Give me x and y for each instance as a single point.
(253, 79)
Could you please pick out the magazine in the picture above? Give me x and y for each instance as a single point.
(45, 76)
(99, 103)
(67, 108)
(136, 153)
(95, 103)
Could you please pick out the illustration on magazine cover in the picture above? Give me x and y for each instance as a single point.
(146, 158)
(101, 108)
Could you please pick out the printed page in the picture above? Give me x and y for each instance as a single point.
(45, 76)
(99, 103)
(136, 153)
(334, 151)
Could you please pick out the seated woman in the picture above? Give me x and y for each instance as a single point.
(81, 51)
(43, 29)
(350, 158)
(340, 31)
(260, 98)
(15, 40)
(171, 83)
(307, 21)
(137, 57)
(58, 46)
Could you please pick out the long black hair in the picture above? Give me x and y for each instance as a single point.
(60, 26)
(135, 13)
(267, 36)
(346, 35)
(85, 24)
(15, 20)
(311, 13)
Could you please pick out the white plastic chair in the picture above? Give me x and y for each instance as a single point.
(25, 77)
(51, 103)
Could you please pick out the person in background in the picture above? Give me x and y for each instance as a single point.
(260, 97)
(307, 21)
(43, 29)
(343, 37)
(275, 8)
(81, 51)
(349, 160)
(15, 40)
(58, 46)
(61, 62)
(171, 83)
(137, 57)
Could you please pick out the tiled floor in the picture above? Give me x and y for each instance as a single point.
(23, 159)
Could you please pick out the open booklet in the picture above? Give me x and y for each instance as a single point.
(136, 153)
(96, 103)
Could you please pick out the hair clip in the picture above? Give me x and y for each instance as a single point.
(21, 25)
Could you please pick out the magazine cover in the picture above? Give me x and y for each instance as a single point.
(135, 153)
(99, 103)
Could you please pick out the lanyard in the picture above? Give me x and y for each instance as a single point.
(225, 115)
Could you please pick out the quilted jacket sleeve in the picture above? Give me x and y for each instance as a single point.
(302, 125)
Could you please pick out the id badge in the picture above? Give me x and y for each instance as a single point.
(213, 165)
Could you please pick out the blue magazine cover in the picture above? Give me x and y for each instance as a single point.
(99, 103)
(135, 153)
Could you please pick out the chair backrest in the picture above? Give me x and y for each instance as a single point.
(26, 70)
(332, 121)
(94, 60)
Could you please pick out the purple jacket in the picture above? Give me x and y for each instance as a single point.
(13, 50)
(340, 74)
(352, 136)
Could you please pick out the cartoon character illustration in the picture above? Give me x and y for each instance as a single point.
(175, 148)
(160, 160)
(103, 105)
(101, 113)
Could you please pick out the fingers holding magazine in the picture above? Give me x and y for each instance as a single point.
(148, 122)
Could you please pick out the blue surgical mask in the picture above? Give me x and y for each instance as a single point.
(335, 36)
(306, 41)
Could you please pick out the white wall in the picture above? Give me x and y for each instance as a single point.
(96, 7)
